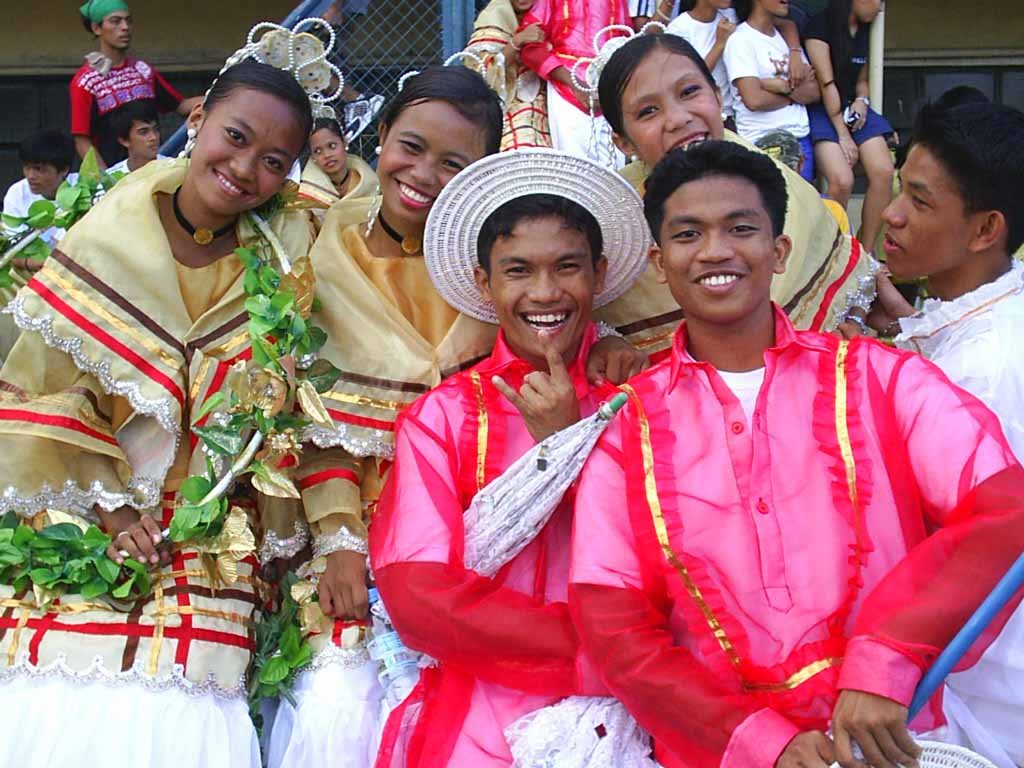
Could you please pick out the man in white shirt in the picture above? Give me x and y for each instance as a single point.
(46, 159)
(956, 221)
(757, 61)
(137, 128)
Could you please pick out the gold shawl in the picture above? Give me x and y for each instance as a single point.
(97, 392)
(385, 362)
(825, 271)
(317, 188)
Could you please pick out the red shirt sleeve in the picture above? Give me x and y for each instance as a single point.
(81, 109)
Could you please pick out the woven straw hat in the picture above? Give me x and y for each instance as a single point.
(458, 214)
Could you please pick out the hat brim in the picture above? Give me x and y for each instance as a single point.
(459, 213)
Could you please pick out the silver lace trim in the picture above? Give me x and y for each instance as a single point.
(143, 493)
(342, 539)
(275, 547)
(359, 446)
(97, 673)
(333, 656)
(161, 409)
(863, 296)
(604, 330)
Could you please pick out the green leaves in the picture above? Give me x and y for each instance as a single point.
(224, 441)
(63, 558)
(281, 652)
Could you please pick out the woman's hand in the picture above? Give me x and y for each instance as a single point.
(342, 588)
(137, 535)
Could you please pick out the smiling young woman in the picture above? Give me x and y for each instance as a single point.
(130, 326)
(658, 95)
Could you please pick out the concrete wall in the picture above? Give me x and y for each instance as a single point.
(953, 28)
(46, 36)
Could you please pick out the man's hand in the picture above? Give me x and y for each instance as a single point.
(723, 30)
(889, 305)
(860, 109)
(810, 749)
(533, 33)
(342, 589)
(878, 725)
(138, 535)
(547, 401)
(614, 360)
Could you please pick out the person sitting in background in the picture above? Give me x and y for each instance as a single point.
(784, 147)
(46, 159)
(757, 59)
(498, 36)
(331, 173)
(707, 27)
(111, 78)
(845, 131)
(137, 128)
(956, 221)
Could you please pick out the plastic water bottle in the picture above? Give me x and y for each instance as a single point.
(398, 667)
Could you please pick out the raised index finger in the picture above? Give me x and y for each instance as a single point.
(556, 365)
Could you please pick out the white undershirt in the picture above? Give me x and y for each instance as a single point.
(745, 385)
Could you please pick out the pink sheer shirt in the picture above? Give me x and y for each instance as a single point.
(437, 453)
(569, 28)
(760, 517)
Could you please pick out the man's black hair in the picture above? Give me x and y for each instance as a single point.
(959, 95)
(979, 144)
(49, 147)
(715, 158)
(139, 111)
(504, 220)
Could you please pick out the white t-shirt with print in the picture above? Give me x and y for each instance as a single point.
(701, 35)
(750, 53)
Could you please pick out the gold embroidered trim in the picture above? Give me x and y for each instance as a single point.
(651, 492)
(79, 297)
(842, 428)
(481, 431)
(372, 402)
(158, 630)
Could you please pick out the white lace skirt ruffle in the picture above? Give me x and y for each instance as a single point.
(61, 722)
(337, 718)
(580, 732)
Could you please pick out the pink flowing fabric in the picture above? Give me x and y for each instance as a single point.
(728, 578)
(505, 646)
(569, 28)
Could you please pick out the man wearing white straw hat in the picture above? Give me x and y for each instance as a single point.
(532, 240)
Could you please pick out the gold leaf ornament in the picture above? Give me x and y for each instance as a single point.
(313, 406)
(303, 591)
(302, 283)
(274, 482)
(257, 387)
(234, 543)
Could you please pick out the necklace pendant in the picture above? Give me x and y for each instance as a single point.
(411, 245)
(202, 236)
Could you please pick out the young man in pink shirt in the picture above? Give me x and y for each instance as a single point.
(782, 529)
(533, 240)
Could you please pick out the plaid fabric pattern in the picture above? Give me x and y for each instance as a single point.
(187, 621)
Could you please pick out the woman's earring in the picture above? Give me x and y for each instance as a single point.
(375, 204)
(633, 158)
(190, 143)
(377, 150)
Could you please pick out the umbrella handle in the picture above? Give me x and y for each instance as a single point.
(997, 599)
